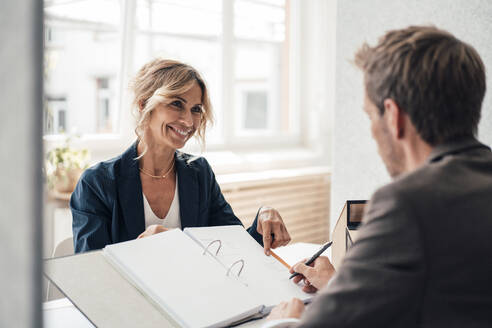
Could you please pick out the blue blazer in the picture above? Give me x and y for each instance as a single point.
(107, 203)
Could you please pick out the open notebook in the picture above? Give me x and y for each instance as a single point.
(183, 275)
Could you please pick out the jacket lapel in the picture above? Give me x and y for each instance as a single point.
(130, 193)
(188, 192)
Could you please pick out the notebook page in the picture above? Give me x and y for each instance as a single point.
(294, 253)
(171, 269)
(267, 279)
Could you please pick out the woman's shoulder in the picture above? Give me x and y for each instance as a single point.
(194, 163)
(111, 168)
(101, 172)
(192, 160)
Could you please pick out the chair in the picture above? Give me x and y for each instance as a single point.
(64, 248)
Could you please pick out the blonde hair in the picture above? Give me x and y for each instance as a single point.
(162, 79)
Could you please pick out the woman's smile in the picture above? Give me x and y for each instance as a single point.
(181, 132)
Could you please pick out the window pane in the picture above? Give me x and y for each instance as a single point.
(261, 67)
(62, 125)
(259, 97)
(261, 20)
(55, 117)
(255, 103)
(82, 46)
(95, 11)
(255, 61)
(104, 105)
(192, 17)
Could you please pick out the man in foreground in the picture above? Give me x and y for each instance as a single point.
(423, 257)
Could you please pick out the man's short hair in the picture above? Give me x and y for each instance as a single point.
(438, 80)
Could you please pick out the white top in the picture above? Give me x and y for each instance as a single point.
(172, 219)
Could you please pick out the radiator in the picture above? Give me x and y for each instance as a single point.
(302, 196)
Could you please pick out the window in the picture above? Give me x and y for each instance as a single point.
(261, 47)
(241, 47)
(105, 100)
(55, 115)
(82, 43)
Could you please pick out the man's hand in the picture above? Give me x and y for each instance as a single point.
(315, 276)
(271, 226)
(152, 230)
(291, 309)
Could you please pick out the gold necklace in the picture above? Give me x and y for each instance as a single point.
(157, 176)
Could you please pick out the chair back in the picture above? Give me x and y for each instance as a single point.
(64, 248)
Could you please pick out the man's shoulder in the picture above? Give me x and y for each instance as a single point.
(411, 188)
(402, 187)
(440, 181)
(415, 180)
(411, 185)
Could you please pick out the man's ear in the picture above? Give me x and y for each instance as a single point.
(394, 117)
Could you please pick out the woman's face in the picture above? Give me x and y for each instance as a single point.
(175, 121)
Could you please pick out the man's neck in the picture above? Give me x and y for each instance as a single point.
(417, 152)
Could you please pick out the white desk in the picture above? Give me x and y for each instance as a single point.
(62, 313)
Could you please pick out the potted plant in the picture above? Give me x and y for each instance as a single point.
(64, 166)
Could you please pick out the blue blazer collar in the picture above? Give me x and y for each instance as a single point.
(189, 199)
(130, 191)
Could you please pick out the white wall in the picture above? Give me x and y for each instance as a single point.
(317, 75)
(357, 168)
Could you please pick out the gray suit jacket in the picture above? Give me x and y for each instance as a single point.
(423, 257)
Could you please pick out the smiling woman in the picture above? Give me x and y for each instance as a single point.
(176, 95)
(153, 187)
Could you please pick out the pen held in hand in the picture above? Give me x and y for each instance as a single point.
(314, 257)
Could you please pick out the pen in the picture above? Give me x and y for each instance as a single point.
(280, 259)
(276, 256)
(314, 257)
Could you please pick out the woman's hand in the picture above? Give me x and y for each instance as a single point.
(271, 226)
(152, 230)
(315, 276)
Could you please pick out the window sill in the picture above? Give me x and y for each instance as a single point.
(101, 146)
(232, 162)
(279, 157)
